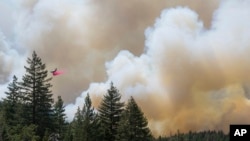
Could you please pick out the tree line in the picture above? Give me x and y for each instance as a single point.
(29, 113)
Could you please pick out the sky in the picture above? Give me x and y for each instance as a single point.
(186, 63)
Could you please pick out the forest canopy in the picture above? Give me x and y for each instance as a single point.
(29, 112)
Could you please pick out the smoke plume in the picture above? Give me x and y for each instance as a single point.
(79, 36)
(189, 77)
(189, 71)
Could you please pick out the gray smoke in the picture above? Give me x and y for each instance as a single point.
(85, 39)
(190, 77)
(79, 36)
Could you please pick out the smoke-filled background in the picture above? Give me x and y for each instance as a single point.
(186, 63)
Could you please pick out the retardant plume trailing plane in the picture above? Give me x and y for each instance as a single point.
(56, 72)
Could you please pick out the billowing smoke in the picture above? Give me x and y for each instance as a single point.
(189, 77)
(79, 36)
(8, 55)
(188, 72)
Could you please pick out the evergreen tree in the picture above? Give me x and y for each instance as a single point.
(133, 125)
(68, 132)
(12, 96)
(1, 121)
(77, 126)
(89, 121)
(12, 104)
(60, 116)
(23, 133)
(110, 112)
(12, 111)
(37, 96)
(86, 125)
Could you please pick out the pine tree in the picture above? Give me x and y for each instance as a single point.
(77, 126)
(86, 125)
(110, 112)
(68, 132)
(133, 125)
(12, 96)
(88, 118)
(12, 104)
(37, 96)
(12, 111)
(1, 121)
(60, 116)
(89, 121)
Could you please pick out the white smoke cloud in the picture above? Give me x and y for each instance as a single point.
(11, 60)
(8, 62)
(76, 35)
(190, 77)
(186, 69)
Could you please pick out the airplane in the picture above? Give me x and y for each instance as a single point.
(56, 72)
(53, 71)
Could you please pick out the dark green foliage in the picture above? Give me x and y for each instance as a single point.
(37, 96)
(89, 120)
(85, 123)
(12, 104)
(27, 110)
(133, 124)
(11, 112)
(20, 133)
(60, 116)
(1, 121)
(68, 136)
(28, 114)
(110, 112)
(78, 126)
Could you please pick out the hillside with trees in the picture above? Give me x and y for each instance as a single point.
(29, 113)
